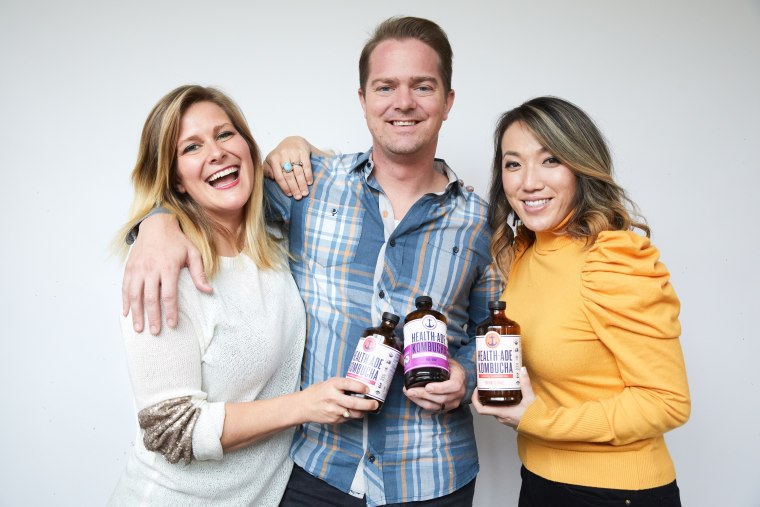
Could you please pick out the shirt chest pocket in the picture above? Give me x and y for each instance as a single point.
(332, 232)
(454, 265)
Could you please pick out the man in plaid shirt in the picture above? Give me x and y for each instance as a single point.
(375, 230)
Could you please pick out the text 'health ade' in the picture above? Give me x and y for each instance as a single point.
(375, 359)
(426, 346)
(499, 358)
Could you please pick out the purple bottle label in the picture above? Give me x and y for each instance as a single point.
(425, 344)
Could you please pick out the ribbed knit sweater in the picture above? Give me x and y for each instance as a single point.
(241, 343)
(600, 341)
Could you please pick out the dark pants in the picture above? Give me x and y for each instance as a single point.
(306, 490)
(539, 492)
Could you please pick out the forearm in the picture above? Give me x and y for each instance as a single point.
(639, 411)
(134, 231)
(247, 423)
(324, 403)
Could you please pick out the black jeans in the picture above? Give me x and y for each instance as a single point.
(305, 490)
(539, 492)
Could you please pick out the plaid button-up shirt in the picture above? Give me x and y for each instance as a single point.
(350, 267)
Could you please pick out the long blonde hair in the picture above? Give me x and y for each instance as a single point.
(570, 135)
(155, 180)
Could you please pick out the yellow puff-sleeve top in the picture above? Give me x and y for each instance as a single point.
(600, 341)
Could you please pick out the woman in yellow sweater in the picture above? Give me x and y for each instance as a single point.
(599, 318)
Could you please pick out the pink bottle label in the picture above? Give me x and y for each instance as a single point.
(499, 360)
(373, 364)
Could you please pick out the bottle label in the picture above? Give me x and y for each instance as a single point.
(499, 361)
(373, 364)
(425, 344)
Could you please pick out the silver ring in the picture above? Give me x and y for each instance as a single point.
(287, 167)
(346, 414)
(299, 164)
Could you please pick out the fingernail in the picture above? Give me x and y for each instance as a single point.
(523, 371)
(154, 329)
(171, 322)
(138, 328)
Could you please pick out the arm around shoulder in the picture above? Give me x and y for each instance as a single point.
(152, 271)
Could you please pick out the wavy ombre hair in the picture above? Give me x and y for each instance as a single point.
(155, 182)
(574, 139)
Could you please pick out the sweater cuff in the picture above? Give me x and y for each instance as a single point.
(530, 424)
(207, 443)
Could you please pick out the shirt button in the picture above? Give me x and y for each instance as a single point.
(371, 458)
(456, 249)
(392, 242)
(628, 502)
(381, 294)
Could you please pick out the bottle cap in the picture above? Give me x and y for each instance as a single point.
(423, 300)
(497, 305)
(391, 317)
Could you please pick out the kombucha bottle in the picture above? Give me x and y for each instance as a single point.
(375, 359)
(426, 346)
(499, 358)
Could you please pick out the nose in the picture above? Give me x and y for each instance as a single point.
(532, 180)
(216, 152)
(404, 99)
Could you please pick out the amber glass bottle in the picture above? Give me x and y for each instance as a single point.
(426, 346)
(375, 359)
(499, 358)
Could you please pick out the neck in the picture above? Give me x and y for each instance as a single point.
(226, 248)
(227, 244)
(405, 179)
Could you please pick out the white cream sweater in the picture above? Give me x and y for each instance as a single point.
(241, 343)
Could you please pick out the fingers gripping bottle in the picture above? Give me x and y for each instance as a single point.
(375, 359)
(426, 346)
(499, 358)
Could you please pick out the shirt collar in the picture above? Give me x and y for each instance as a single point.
(365, 164)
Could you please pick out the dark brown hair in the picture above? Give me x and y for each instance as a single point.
(401, 28)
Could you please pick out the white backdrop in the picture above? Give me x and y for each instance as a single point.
(674, 86)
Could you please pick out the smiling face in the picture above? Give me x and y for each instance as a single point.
(214, 164)
(405, 102)
(539, 188)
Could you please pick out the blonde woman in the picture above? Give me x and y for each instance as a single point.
(216, 396)
(599, 318)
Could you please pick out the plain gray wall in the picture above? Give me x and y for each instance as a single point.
(674, 86)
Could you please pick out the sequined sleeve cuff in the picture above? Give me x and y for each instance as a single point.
(169, 426)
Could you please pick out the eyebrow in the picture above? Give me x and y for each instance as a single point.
(216, 131)
(517, 154)
(414, 80)
(421, 79)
